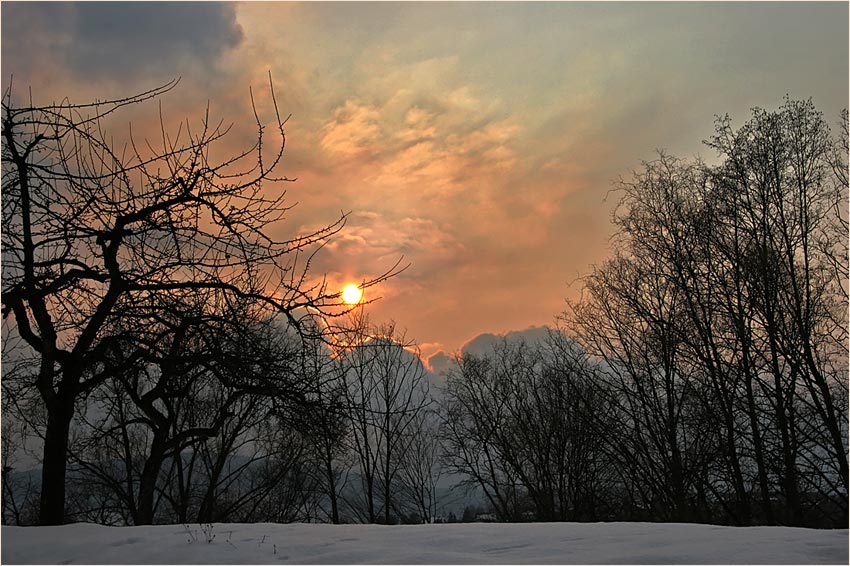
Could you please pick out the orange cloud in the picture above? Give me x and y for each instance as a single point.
(353, 129)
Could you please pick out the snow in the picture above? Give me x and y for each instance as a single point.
(476, 543)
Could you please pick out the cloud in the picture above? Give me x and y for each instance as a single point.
(415, 125)
(430, 142)
(440, 363)
(352, 130)
(444, 159)
(117, 39)
(483, 345)
(372, 241)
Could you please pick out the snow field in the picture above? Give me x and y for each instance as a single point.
(477, 543)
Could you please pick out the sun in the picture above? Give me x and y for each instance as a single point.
(352, 294)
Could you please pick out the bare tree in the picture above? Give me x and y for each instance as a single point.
(421, 466)
(721, 323)
(90, 227)
(329, 425)
(18, 491)
(524, 423)
(386, 390)
(473, 417)
(782, 175)
(193, 401)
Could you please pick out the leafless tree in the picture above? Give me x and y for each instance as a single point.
(194, 402)
(19, 494)
(92, 227)
(329, 426)
(421, 468)
(523, 422)
(782, 177)
(385, 391)
(721, 321)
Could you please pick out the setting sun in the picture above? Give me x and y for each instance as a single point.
(351, 294)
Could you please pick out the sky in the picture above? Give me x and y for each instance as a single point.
(480, 141)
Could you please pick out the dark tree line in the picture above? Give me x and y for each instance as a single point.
(247, 423)
(170, 361)
(706, 374)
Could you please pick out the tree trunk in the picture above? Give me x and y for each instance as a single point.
(370, 499)
(387, 494)
(764, 488)
(147, 481)
(332, 490)
(207, 510)
(54, 464)
(789, 475)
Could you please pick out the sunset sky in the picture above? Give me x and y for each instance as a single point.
(478, 140)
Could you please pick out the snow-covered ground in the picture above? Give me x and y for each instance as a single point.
(561, 543)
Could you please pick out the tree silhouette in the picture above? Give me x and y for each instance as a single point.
(94, 232)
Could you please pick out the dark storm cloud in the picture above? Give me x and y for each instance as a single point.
(116, 39)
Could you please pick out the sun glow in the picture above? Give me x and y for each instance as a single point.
(352, 294)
